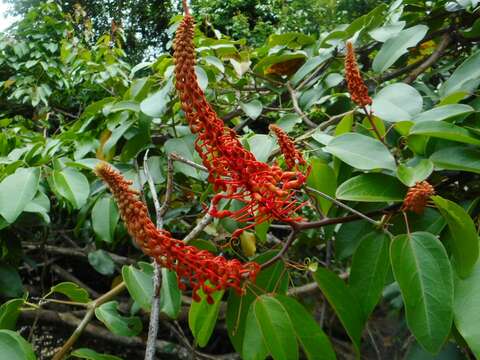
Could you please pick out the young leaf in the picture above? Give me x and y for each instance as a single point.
(369, 269)
(72, 291)
(276, 328)
(322, 178)
(16, 191)
(343, 302)
(464, 247)
(315, 343)
(423, 272)
(116, 323)
(14, 347)
(202, 317)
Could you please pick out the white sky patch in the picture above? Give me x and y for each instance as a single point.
(5, 21)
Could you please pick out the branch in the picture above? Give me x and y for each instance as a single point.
(207, 219)
(446, 39)
(299, 111)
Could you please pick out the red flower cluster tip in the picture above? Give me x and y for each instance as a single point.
(292, 156)
(417, 197)
(356, 87)
(267, 192)
(196, 266)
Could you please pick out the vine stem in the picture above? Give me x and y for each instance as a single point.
(60, 355)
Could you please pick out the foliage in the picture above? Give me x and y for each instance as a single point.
(69, 98)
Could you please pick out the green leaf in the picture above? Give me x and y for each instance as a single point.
(372, 187)
(343, 302)
(102, 262)
(465, 309)
(396, 46)
(202, 317)
(9, 312)
(397, 102)
(315, 343)
(444, 130)
(276, 328)
(155, 105)
(310, 65)
(410, 175)
(253, 109)
(123, 105)
(105, 217)
(72, 291)
(322, 178)
(89, 354)
(370, 265)
(10, 281)
(116, 323)
(170, 294)
(386, 32)
(213, 60)
(261, 146)
(270, 60)
(464, 246)
(445, 112)
(184, 146)
(202, 77)
(457, 158)
(72, 185)
(421, 268)
(373, 154)
(14, 347)
(254, 345)
(465, 78)
(16, 191)
(348, 237)
(139, 284)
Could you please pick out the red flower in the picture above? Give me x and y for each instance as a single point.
(196, 266)
(356, 87)
(266, 191)
(417, 197)
(292, 156)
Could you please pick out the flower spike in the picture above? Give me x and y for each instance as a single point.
(356, 86)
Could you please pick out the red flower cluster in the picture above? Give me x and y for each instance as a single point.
(266, 191)
(356, 87)
(292, 156)
(194, 265)
(417, 197)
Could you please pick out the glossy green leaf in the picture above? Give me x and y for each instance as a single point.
(465, 78)
(202, 317)
(10, 281)
(315, 343)
(397, 102)
(116, 323)
(457, 158)
(464, 245)
(370, 265)
(89, 354)
(422, 269)
(310, 65)
(105, 217)
(372, 188)
(361, 152)
(276, 328)
(170, 294)
(343, 302)
(396, 46)
(156, 104)
(72, 185)
(322, 178)
(253, 109)
(72, 291)
(129, 105)
(445, 112)
(444, 130)
(410, 175)
(16, 191)
(465, 308)
(139, 284)
(9, 313)
(15, 347)
(254, 346)
(102, 262)
(261, 146)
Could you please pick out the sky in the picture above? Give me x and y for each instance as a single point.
(4, 22)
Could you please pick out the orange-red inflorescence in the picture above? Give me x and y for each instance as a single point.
(267, 192)
(356, 87)
(417, 197)
(292, 156)
(196, 266)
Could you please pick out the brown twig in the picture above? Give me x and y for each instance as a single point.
(297, 108)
